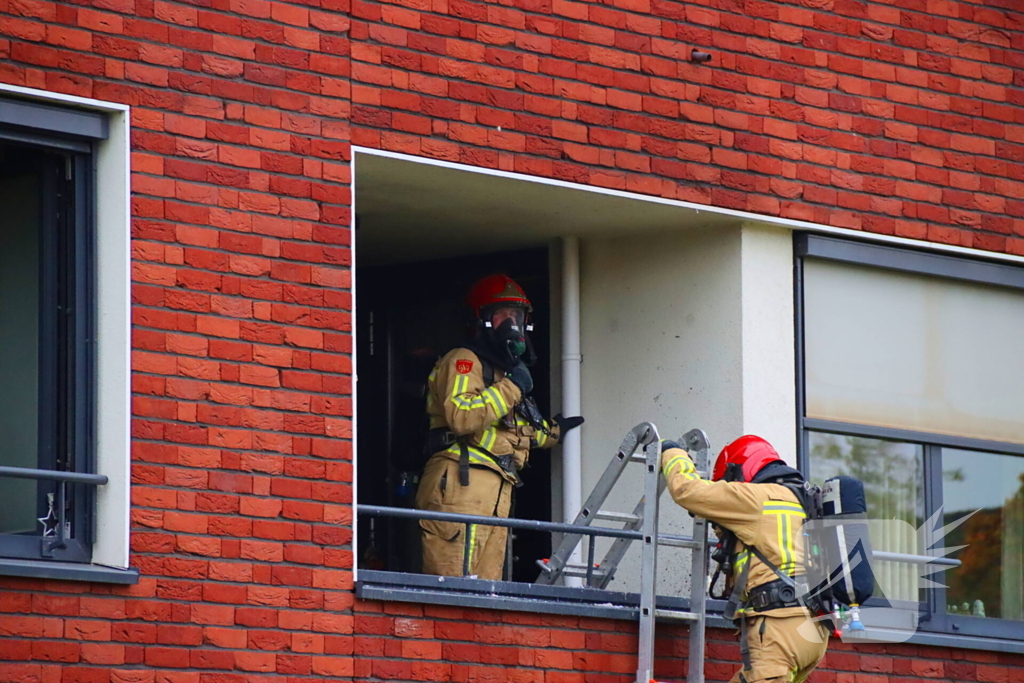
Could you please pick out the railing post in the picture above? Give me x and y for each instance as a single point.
(467, 544)
(590, 559)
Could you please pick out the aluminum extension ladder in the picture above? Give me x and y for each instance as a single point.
(644, 518)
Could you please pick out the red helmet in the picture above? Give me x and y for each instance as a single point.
(496, 289)
(750, 452)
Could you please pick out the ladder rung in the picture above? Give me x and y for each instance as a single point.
(612, 516)
(580, 570)
(679, 542)
(676, 614)
(638, 457)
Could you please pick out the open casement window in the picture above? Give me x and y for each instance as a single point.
(911, 379)
(48, 474)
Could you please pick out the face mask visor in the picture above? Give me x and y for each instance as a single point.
(515, 314)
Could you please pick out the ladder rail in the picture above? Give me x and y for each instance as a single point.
(639, 436)
(644, 519)
(696, 442)
(649, 561)
(620, 546)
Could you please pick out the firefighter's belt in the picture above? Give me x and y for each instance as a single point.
(440, 439)
(505, 462)
(774, 595)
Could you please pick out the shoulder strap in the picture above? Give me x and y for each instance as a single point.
(488, 371)
(808, 499)
(738, 589)
(786, 578)
(463, 462)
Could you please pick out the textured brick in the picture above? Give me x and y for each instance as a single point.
(900, 118)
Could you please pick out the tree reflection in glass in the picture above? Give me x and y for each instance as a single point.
(990, 582)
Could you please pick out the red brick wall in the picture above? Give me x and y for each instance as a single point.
(902, 117)
(241, 518)
(399, 641)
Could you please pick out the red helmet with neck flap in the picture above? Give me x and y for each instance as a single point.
(749, 454)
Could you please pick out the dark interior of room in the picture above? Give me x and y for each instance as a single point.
(407, 316)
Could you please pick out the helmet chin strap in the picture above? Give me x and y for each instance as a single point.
(733, 472)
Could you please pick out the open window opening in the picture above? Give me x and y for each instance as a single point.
(661, 308)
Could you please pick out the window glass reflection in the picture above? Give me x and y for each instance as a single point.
(20, 201)
(893, 476)
(990, 582)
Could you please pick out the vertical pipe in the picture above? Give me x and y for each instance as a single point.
(572, 477)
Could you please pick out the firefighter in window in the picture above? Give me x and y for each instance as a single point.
(755, 502)
(483, 424)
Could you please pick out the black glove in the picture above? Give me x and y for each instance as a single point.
(666, 444)
(567, 423)
(521, 377)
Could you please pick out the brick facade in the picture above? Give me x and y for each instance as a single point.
(901, 117)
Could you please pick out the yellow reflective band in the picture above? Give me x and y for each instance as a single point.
(542, 438)
(783, 506)
(461, 387)
(458, 387)
(686, 469)
(741, 559)
(472, 544)
(493, 396)
(785, 512)
(487, 439)
(779, 534)
(475, 454)
(788, 552)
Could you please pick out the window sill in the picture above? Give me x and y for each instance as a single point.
(519, 597)
(68, 571)
(951, 640)
(592, 602)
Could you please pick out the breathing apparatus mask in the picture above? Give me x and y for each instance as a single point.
(505, 329)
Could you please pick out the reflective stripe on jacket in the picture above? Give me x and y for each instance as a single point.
(767, 516)
(459, 400)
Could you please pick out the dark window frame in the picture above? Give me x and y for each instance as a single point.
(935, 621)
(67, 309)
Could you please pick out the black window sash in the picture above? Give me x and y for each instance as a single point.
(66, 354)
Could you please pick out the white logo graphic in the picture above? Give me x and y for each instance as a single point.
(849, 559)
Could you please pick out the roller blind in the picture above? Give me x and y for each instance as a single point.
(911, 351)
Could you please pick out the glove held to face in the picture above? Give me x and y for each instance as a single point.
(521, 377)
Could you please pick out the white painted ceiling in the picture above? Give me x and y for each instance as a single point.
(409, 211)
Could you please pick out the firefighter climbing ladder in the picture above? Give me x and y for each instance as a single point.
(644, 518)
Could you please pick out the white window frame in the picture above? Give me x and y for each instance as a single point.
(112, 316)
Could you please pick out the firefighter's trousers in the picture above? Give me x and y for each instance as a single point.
(782, 649)
(488, 493)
